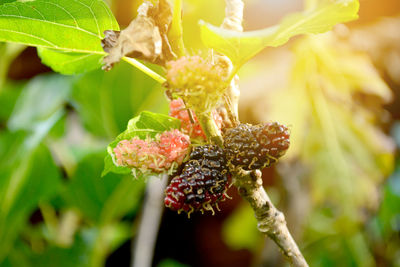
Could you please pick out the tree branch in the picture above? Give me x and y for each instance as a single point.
(233, 15)
(233, 21)
(249, 183)
(270, 220)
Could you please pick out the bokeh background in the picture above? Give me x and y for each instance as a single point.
(339, 185)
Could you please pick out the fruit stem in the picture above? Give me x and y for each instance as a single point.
(145, 69)
(210, 128)
(175, 33)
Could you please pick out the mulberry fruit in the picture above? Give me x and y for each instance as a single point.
(193, 128)
(202, 183)
(197, 81)
(165, 153)
(274, 138)
(256, 146)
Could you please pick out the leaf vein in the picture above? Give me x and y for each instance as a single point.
(50, 22)
(31, 35)
(66, 11)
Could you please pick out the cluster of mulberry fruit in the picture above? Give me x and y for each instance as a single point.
(204, 177)
(163, 154)
(202, 183)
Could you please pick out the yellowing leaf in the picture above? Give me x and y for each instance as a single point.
(240, 47)
(334, 130)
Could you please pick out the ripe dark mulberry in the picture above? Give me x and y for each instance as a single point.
(256, 146)
(202, 183)
(273, 137)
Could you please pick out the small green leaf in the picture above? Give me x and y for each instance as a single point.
(147, 124)
(63, 26)
(78, 254)
(69, 62)
(102, 200)
(29, 110)
(109, 166)
(106, 101)
(240, 47)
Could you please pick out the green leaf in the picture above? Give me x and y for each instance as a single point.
(106, 101)
(7, 1)
(27, 177)
(240, 229)
(147, 124)
(30, 110)
(76, 255)
(8, 97)
(334, 133)
(28, 173)
(102, 200)
(109, 166)
(69, 62)
(63, 26)
(240, 47)
(389, 212)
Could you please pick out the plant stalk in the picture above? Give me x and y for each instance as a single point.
(271, 221)
(210, 128)
(145, 69)
(233, 21)
(176, 32)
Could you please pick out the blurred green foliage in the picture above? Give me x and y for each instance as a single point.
(171, 263)
(104, 103)
(240, 229)
(54, 205)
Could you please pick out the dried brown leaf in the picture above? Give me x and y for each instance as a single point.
(145, 37)
(162, 15)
